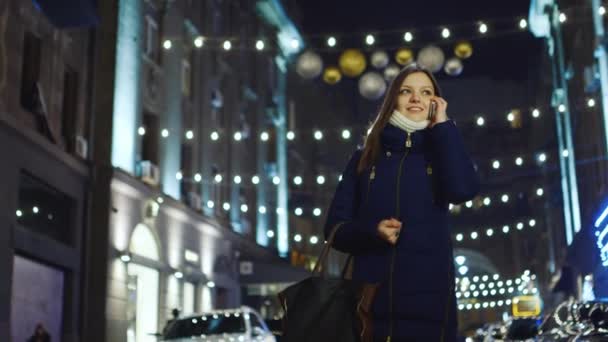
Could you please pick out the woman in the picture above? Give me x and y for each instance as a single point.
(391, 211)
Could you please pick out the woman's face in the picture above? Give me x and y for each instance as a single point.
(415, 96)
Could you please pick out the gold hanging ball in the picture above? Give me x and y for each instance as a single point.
(332, 75)
(352, 62)
(404, 56)
(463, 50)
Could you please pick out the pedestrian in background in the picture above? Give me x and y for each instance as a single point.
(40, 334)
(391, 210)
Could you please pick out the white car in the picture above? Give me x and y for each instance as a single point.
(239, 325)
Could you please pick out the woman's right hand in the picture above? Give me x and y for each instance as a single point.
(389, 230)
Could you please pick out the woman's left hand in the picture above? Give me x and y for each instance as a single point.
(441, 112)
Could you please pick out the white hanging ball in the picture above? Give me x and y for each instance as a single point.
(391, 72)
(379, 59)
(372, 85)
(453, 66)
(431, 57)
(309, 65)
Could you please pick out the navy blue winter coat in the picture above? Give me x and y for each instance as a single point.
(414, 179)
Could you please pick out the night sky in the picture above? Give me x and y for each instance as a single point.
(511, 56)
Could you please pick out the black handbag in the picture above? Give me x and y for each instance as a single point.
(320, 308)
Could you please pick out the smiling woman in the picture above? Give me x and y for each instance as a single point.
(392, 210)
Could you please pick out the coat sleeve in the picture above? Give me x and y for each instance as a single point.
(355, 235)
(457, 176)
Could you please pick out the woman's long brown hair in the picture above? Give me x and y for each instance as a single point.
(371, 147)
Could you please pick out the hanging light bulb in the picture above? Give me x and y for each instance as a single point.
(262, 209)
(259, 45)
(445, 33)
(345, 134)
(298, 211)
(179, 175)
(226, 206)
(408, 37)
(331, 41)
(291, 135)
(483, 28)
(276, 180)
(480, 121)
(318, 135)
(562, 17)
(167, 44)
(369, 39)
(264, 136)
(227, 45)
(535, 113)
(141, 131)
(215, 136)
(164, 133)
(297, 180)
(316, 212)
(255, 180)
(523, 24)
(238, 136)
(218, 178)
(198, 42)
(320, 179)
(198, 178)
(295, 44)
(237, 179)
(189, 135)
(519, 161)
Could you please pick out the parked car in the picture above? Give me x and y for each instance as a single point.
(243, 325)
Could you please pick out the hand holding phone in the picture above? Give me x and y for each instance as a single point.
(432, 110)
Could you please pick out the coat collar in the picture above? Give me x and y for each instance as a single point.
(393, 139)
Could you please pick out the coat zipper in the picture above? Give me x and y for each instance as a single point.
(372, 176)
(408, 145)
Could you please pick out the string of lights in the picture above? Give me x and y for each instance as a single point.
(469, 291)
(472, 30)
(490, 232)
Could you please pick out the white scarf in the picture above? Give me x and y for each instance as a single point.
(406, 124)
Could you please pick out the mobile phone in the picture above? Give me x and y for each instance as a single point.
(432, 110)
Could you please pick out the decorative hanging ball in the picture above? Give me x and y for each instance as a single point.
(332, 75)
(431, 58)
(372, 85)
(404, 56)
(391, 72)
(453, 66)
(379, 59)
(309, 65)
(463, 50)
(352, 62)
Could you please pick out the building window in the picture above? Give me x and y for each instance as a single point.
(151, 39)
(186, 78)
(69, 115)
(150, 139)
(44, 210)
(30, 72)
